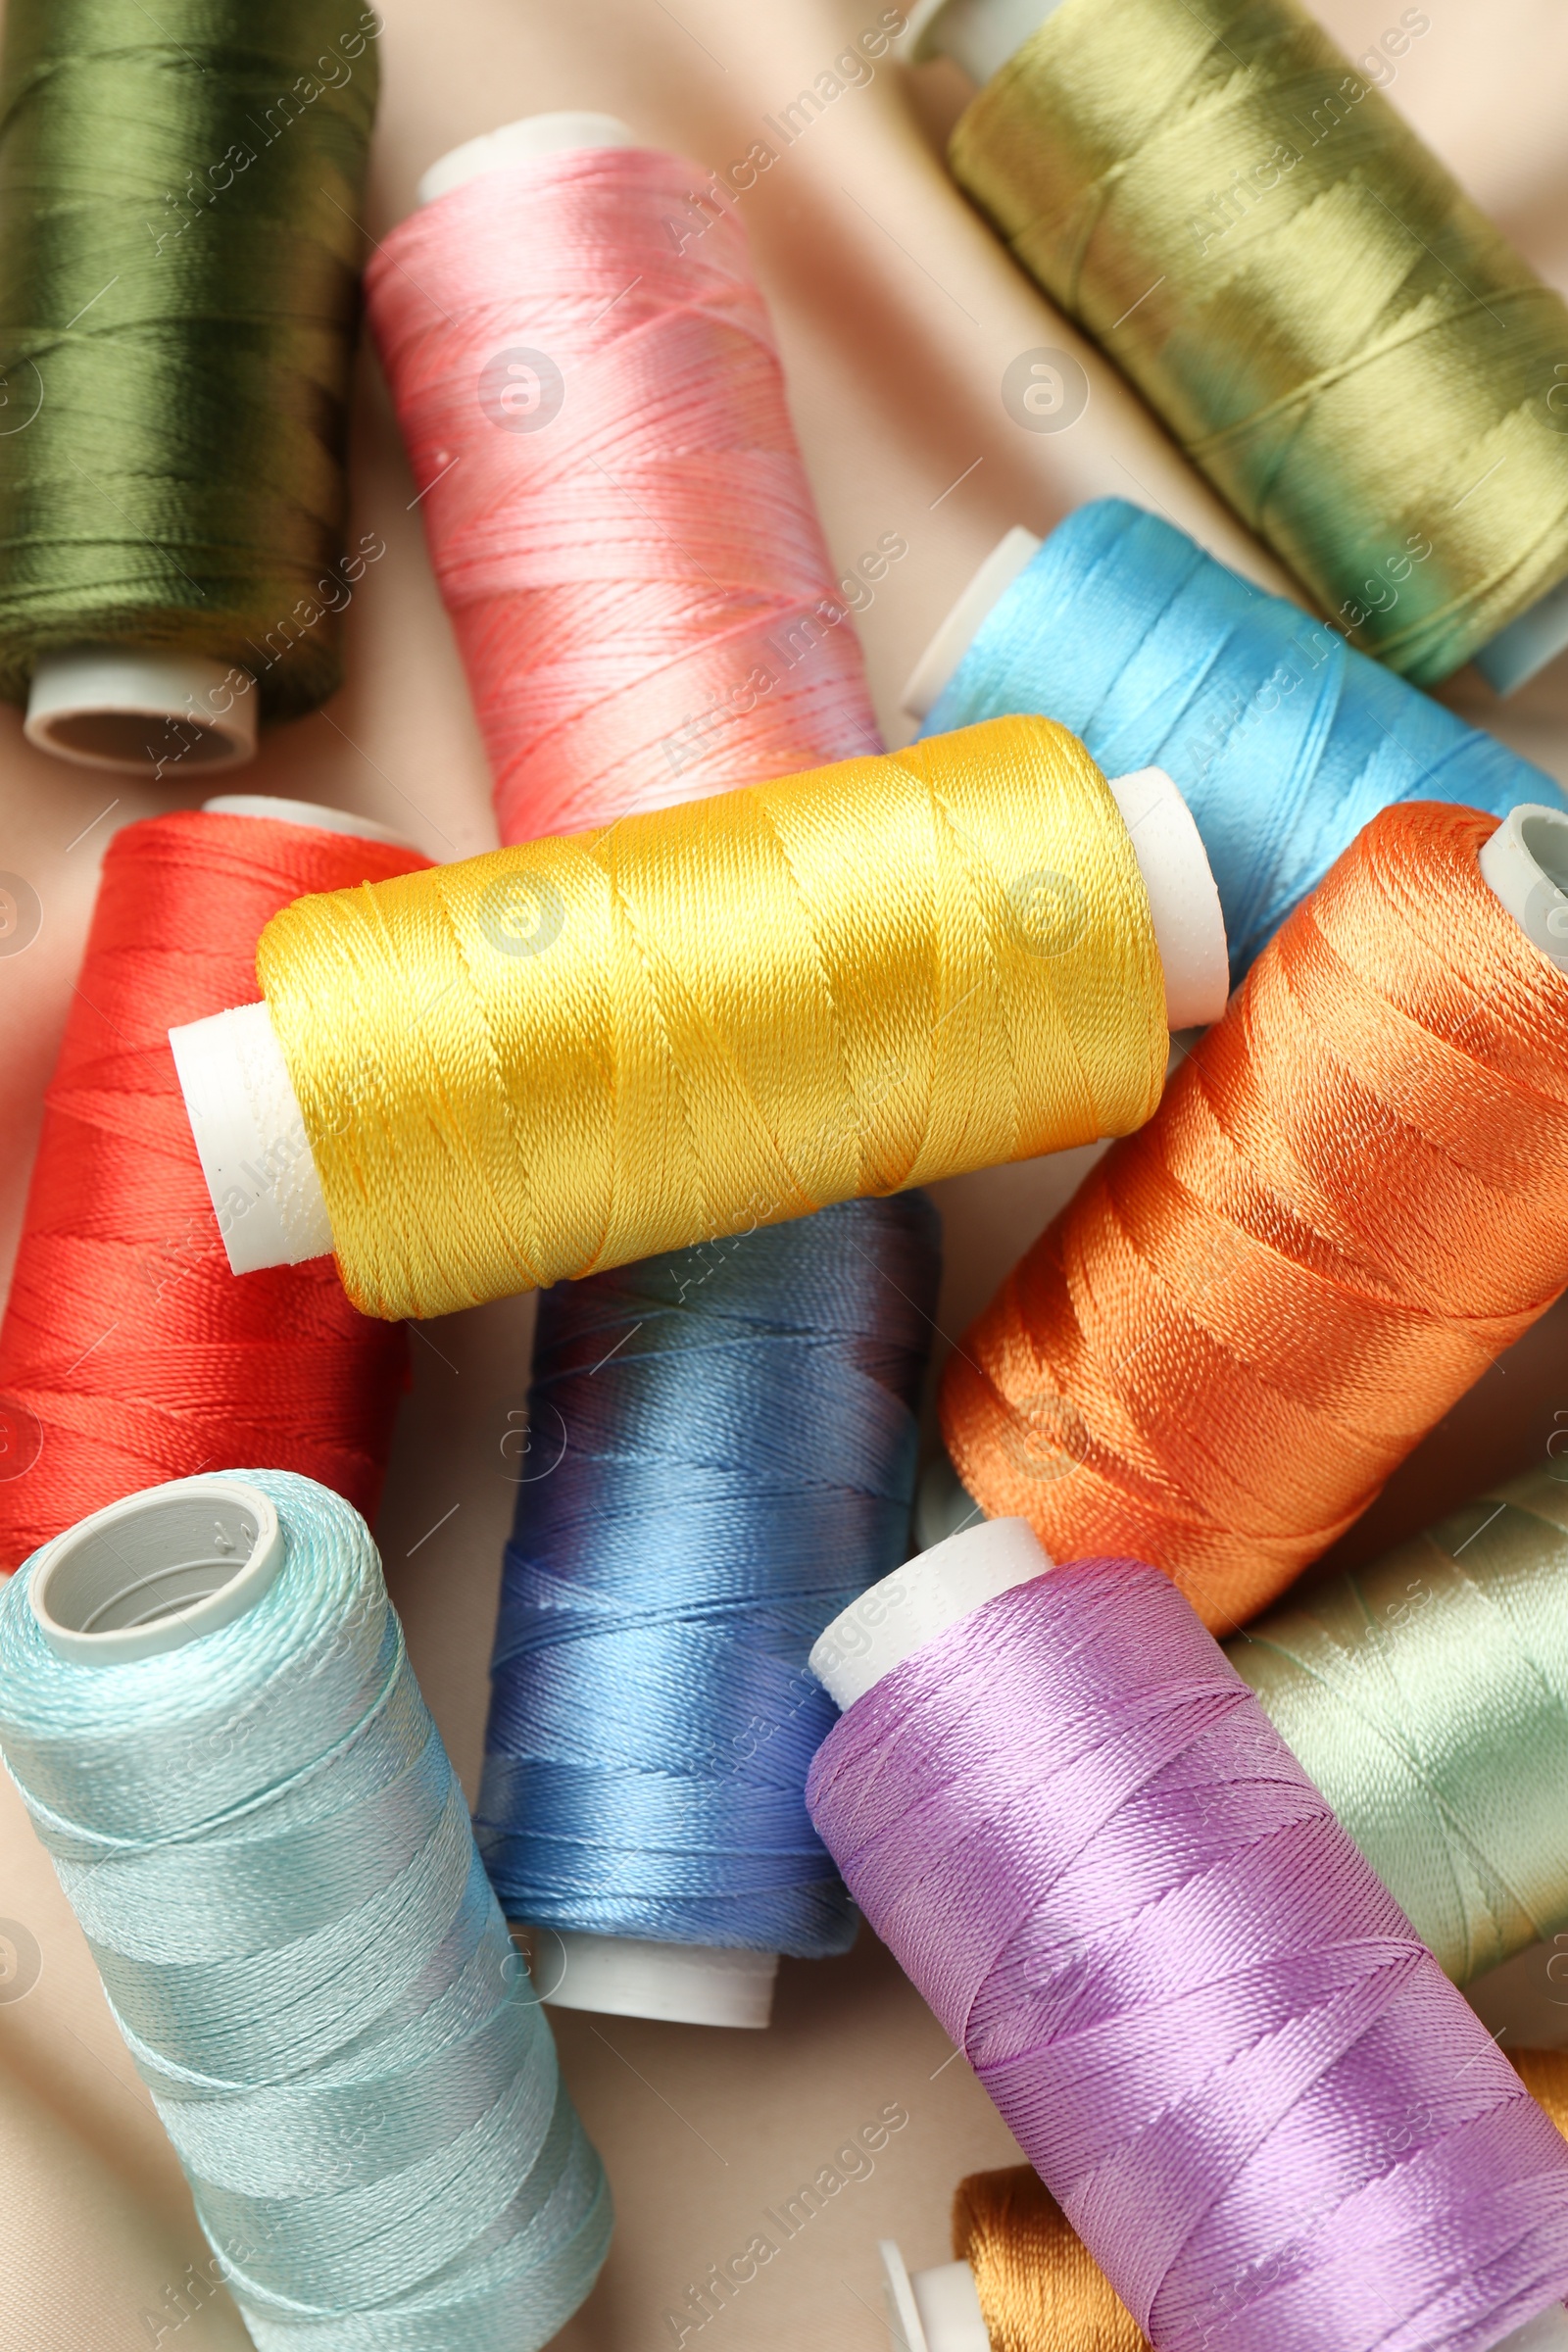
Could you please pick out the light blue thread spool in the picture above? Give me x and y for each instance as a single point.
(206, 1703)
(1282, 739)
(729, 1444)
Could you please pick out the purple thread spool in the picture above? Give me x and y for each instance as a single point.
(1212, 2030)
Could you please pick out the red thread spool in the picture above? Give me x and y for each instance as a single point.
(130, 1353)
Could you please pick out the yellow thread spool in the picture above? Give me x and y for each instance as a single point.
(1038, 2288)
(1357, 361)
(580, 1052)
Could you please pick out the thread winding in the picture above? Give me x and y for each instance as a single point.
(734, 1442)
(128, 1353)
(180, 191)
(1039, 2289)
(1068, 1816)
(1353, 1197)
(1337, 338)
(621, 522)
(568, 1054)
(1428, 1697)
(1283, 740)
(269, 1854)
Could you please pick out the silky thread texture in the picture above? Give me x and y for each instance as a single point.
(128, 1353)
(179, 193)
(641, 598)
(1352, 1199)
(1283, 740)
(1428, 1697)
(1331, 331)
(1039, 2288)
(1250, 2087)
(271, 1857)
(723, 1450)
(553, 1059)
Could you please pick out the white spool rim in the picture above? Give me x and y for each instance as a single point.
(312, 814)
(1525, 864)
(1525, 647)
(139, 713)
(952, 637)
(918, 1602)
(626, 1976)
(980, 35)
(522, 142)
(157, 1570)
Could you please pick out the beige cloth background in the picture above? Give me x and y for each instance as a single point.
(897, 316)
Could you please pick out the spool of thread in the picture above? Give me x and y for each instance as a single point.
(128, 1355)
(621, 522)
(626, 542)
(723, 1455)
(180, 199)
(1252, 1311)
(1023, 2281)
(208, 1706)
(566, 1056)
(1281, 738)
(1068, 1817)
(1325, 323)
(1428, 1697)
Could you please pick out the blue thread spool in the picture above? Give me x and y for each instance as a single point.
(206, 1701)
(729, 1444)
(1281, 738)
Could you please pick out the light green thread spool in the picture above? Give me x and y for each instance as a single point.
(1428, 1697)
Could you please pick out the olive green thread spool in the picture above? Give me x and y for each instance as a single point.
(180, 250)
(1357, 361)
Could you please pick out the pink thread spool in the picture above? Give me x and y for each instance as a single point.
(1250, 2089)
(615, 505)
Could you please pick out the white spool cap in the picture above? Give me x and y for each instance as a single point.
(239, 1098)
(139, 713)
(1525, 864)
(156, 1570)
(905, 1610)
(1013, 553)
(520, 143)
(980, 35)
(931, 2311)
(684, 1984)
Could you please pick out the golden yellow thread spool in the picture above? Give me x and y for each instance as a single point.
(1360, 362)
(579, 1052)
(1039, 2286)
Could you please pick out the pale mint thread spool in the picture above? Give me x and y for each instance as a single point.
(207, 1703)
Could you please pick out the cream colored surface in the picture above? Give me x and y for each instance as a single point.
(897, 317)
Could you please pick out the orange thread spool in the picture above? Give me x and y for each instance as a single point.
(1353, 1197)
(1039, 2288)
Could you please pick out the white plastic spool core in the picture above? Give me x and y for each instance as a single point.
(1525, 864)
(980, 35)
(1013, 554)
(930, 1593)
(520, 143)
(240, 1100)
(140, 714)
(931, 2311)
(157, 1570)
(626, 1976)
